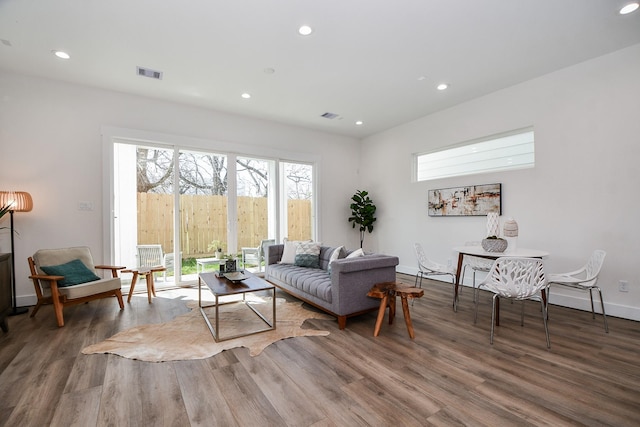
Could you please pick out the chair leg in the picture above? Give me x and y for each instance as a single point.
(522, 315)
(57, 307)
(604, 316)
(36, 308)
(476, 300)
(593, 312)
(493, 316)
(474, 285)
(544, 320)
(120, 301)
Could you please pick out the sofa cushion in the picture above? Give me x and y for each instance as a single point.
(308, 255)
(313, 281)
(74, 272)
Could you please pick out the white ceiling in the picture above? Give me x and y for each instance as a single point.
(378, 61)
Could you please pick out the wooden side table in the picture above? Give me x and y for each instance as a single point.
(147, 273)
(388, 291)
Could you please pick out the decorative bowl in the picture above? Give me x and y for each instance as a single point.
(494, 245)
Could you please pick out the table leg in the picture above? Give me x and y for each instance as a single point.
(407, 316)
(133, 285)
(458, 272)
(392, 306)
(381, 310)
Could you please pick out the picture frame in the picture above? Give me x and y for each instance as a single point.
(471, 200)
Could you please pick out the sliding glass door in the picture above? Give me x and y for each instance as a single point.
(184, 205)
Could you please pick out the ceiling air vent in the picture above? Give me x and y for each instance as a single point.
(147, 72)
(329, 116)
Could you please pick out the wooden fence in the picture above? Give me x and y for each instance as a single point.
(203, 220)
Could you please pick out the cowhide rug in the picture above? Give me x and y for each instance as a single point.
(187, 337)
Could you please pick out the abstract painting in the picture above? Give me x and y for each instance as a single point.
(473, 200)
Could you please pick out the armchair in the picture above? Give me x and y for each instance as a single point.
(152, 256)
(64, 277)
(255, 256)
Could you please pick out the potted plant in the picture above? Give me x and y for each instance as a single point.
(362, 213)
(217, 247)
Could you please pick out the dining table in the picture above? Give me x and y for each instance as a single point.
(478, 251)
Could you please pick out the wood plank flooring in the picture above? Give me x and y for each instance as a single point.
(449, 375)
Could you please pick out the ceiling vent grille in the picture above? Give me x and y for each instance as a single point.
(329, 116)
(147, 72)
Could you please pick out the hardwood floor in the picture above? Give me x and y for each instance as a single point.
(448, 375)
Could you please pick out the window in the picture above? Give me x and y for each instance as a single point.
(512, 150)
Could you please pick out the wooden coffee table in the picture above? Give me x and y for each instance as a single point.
(222, 287)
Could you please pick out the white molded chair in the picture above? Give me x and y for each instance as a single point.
(476, 264)
(519, 279)
(255, 256)
(586, 279)
(52, 289)
(428, 268)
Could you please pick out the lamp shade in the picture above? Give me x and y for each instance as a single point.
(20, 201)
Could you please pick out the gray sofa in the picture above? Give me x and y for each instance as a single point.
(342, 292)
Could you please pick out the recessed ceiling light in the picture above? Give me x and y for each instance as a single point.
(631, 7)
(60, 54)
(359, 123)
(246, 95)
(442, 86)
(305, 30)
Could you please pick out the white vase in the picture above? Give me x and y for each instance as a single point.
(493, 224)
(510, 233)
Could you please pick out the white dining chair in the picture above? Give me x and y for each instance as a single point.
(428, 268)
(518, 279)
(476, 264)
(586, 279)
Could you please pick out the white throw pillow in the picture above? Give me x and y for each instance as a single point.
(335, 254)
(289, 252)
(355, 254)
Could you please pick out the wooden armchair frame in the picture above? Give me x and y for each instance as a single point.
(59, 299)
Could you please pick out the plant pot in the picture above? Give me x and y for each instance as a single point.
(494, 245)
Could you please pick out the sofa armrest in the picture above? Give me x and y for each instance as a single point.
(367, 262)
(352, 278)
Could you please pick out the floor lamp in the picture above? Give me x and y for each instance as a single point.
(17, 201)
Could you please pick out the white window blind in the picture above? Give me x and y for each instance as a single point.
(514, 150)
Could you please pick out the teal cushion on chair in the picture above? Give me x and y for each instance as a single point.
(74, 272)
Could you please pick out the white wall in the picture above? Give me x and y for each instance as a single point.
(582, 194)
(51, 146)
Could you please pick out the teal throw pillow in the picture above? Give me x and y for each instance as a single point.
(74, 272)
(307, 255)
